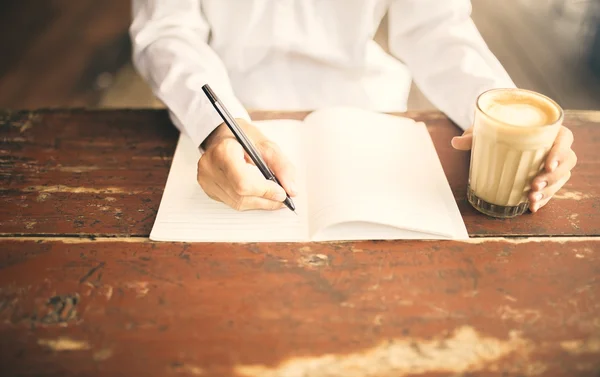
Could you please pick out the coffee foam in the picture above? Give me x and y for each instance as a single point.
(519, 108)
(518, 114)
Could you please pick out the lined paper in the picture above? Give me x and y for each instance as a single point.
(361, 175)
(186, 213)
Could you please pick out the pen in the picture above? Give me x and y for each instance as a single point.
(243, 139)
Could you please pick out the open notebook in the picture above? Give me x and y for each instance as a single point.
(361, 175)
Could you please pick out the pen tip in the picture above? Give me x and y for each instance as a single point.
(296, 213)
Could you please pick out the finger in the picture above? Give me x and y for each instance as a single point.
(281, 166)
(536, 206)
(247, 203)
(463, 142)
(240, 179)
(242, 203)
(560, 149)
(540, 198)
(549, 178)
(236, 178)
(221, 193)
(214, 191)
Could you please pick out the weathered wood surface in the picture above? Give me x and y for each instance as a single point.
(130, 307)
(103, 172)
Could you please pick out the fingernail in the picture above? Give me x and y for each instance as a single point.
(553, 165)
(542, 184)
(538, 196)
(293, 188)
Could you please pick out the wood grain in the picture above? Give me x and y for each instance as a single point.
(131, 307)
(80, 172)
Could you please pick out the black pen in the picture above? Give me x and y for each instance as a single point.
(243, 139)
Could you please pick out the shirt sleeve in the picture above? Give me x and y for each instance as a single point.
(171, 52)
(449, 60)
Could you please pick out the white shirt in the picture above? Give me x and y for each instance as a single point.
(309, 54)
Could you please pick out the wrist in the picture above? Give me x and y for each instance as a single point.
(216, 134)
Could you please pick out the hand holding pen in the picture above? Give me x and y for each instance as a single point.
(225, 172)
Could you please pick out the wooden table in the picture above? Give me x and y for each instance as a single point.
(84, 292)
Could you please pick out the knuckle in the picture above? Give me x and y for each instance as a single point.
(223, 148)
(203, 164)
(242, 187)
(266, 193)
(204, 171)
(238, 204)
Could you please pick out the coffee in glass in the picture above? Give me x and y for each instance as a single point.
(513, 132)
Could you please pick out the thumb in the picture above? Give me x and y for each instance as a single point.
(281, 166)
(463, 142)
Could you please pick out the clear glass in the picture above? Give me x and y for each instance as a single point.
(506, 157)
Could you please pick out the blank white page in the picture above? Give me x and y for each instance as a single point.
(187, 214)
(380, 169)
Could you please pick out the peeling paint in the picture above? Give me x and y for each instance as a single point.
(578, 347)
(140, 287)
(77, 240)
(464, 351)
(80, 190)
(518, 315)
(64, 344)
(109, 292)
(557, 239)
(572, 195)
(103, 354)
(77, 169)
(42, 197)
(378, 320)
(313, 260)
(14, 139)
(574, 221)
(28, 123)
(188, 369)
(152, 158)
(476, 240)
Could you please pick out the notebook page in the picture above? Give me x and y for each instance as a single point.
(186, 213)
(381, 169)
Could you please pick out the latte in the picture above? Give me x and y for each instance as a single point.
(513, 131)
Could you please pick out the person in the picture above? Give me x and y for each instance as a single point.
(308, 54)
